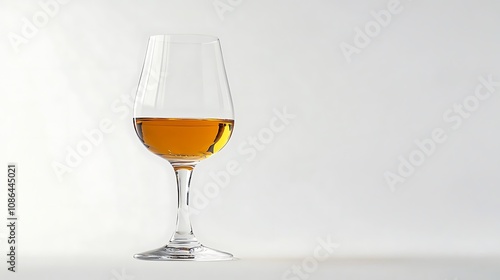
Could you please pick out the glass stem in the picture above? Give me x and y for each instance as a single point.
(183, 236)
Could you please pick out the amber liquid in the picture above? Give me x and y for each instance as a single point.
(179, 140)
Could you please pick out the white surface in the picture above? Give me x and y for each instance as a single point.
(322, 175)
(265, 269)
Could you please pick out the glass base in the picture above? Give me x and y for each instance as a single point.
(198, 253)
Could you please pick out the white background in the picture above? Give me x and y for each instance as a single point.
(323, 175)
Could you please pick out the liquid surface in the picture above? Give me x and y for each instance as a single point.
(180, 140)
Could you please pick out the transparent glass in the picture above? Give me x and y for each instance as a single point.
(183, 113)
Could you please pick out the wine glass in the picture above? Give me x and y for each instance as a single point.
(183, 113)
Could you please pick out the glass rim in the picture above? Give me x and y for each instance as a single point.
(185, 38)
